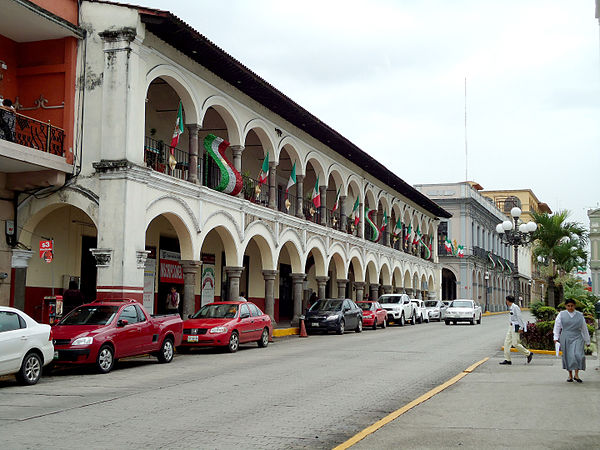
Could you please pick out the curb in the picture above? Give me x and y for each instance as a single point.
(538, 352)
(281, 332)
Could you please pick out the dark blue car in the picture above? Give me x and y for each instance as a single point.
(336, 315)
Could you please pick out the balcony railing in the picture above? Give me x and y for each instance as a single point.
(32, 133)
(156, 156)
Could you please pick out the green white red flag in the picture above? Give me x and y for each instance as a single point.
(355, 212)
(178, 129)
(408, 233)
(291, 181)
(337, 200)
(448, 245)
(375, 234)
(316, 195)
(398, 227)
(264, 171)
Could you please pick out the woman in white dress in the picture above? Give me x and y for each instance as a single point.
(571, 331)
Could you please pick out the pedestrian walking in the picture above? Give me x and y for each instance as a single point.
(513, 335)
(72, 297)
(173, 301)
(571, 331)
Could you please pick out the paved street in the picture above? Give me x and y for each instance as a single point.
(296, 393)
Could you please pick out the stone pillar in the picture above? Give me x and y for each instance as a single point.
(361, 223)
(20, 262)
(193, 162)
(386, 236)
(341, 285)
(409, 291)
(298, 280)
(359, 287)
(321, 283)
(190, 270)
(373, 291)
(272, 185)
(417, 293)
(269, 276)
(299, 196)
(323, 208)
(343, 214)
(397, 290)
(387, 288)
(236, 151)
(233, 278)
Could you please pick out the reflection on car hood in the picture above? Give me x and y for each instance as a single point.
(76, 331)
(205, 323)
(321, 313)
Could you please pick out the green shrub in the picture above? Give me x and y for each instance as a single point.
(535, 307)
(546, 313)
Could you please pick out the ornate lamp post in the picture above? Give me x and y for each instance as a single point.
(487, 278)
(517, 235)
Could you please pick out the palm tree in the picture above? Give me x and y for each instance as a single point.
(561, 245)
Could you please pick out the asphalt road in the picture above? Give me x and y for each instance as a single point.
(314, 392)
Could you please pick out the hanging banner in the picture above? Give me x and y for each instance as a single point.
(149, 277)
(208, 284)
(46, 246)
(170, 269)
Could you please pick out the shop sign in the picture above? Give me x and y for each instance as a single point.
(170, 269)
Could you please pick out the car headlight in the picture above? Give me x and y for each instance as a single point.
(218, 330)
(334, 317)
(83, 341)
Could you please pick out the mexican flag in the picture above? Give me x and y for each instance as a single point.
(417, 236)
(291, 181)
(375, 235)
(355, 212)
(264, 171)
(384, 222)
(178, 129)
(461, 251)
(448, 245)
(427, 251)
(337, 199)
(408, 233)
(316, 196)
(398, 227)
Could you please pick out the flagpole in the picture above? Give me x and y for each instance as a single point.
(466, 152)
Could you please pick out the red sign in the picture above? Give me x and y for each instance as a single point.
(47, 256)
(170, 271)
(45, 246)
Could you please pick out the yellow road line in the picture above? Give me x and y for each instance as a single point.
(394, 415)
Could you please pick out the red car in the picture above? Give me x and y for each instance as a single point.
(101, 332)
(373, 314)
(227, 324)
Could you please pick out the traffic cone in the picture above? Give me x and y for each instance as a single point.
(303, 332)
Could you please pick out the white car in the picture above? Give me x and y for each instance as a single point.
(436, 309)
(25, 345)
(463, 310)
(399, 308)
(421, 310)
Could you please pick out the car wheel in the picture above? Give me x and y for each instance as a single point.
(479, 321)
(472, 321)
(447, 322)
(105, 359)
(31, 369)
(358, 328)
(264, 338)
(165, 355)
(234, 342)
(454, 322)
(341, 328)
(413, 320)
(402, 321)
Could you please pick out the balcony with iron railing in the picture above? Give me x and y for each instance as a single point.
(32, 133)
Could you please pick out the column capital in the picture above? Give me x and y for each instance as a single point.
(323, 279)
(190, 265)
(193, 128)
(140, 257)
(359, 284)
(102, 255)
(297, 277)
(20, 258)
(270, 274)
(342, 280)
(237, 147)
(234, 271)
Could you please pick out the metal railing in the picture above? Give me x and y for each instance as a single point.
(156, 156)
(32, 133)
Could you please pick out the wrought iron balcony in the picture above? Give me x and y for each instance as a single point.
(156, 156)
(32, 133)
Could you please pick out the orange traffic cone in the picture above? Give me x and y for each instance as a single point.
(303, 332)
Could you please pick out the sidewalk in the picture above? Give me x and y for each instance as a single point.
(503, 407)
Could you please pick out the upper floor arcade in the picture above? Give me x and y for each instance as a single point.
(169, 100)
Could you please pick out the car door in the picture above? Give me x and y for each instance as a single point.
(147, 340)
(350, 314)
(127, 337)
(260, 319)
(246, 324)
(13, 341)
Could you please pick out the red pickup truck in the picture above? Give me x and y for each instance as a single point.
(101, 332)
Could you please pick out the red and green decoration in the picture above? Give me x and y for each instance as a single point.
(397, 229)
(492, 260)
(461, 251)
(336, 205)
(231, 180)
(448, 245)
(408, 236)
(316, 195)
(291, 181)
(264, 171)
(355, 212)
(177, 131)
(417, 237)
(375, 233)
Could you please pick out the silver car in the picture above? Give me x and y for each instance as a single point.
(463, 310)
(436, 309)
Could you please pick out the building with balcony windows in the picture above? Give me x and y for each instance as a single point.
(527, 201)
(39, 41)
(147, 212)
(474, 261)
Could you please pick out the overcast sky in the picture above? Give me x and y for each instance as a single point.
(390, 76)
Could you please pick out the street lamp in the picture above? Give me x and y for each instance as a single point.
(486, 277)
(515, 234)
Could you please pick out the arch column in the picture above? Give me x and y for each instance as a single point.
(193, 129)
(341, 285)
(360, 290)
(343, 214)
(387, 288)
(299, 196)
(298, 281)
(321, 285)
(272, 185)
(373, 291)
(361, 221)
(409, 291)
(233, 279)
(236, 151)
(417, 293)
(269, 276)
(190, 270)
(323, 208)
(386, 234)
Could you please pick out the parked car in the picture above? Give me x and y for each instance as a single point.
(436, 309)
(463, 310)
(25, 345)
(373, 314)
(103, 331)
(334, 315)
(399, 308)
(421, 311)
(227, 324)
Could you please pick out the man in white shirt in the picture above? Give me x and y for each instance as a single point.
(513, 335)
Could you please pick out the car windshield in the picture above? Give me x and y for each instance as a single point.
(430, 304)
(461, 304)
(327, 305)
(416, 302)
(390, 299)
(91, 315)
(365, 306)
(217, 311)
